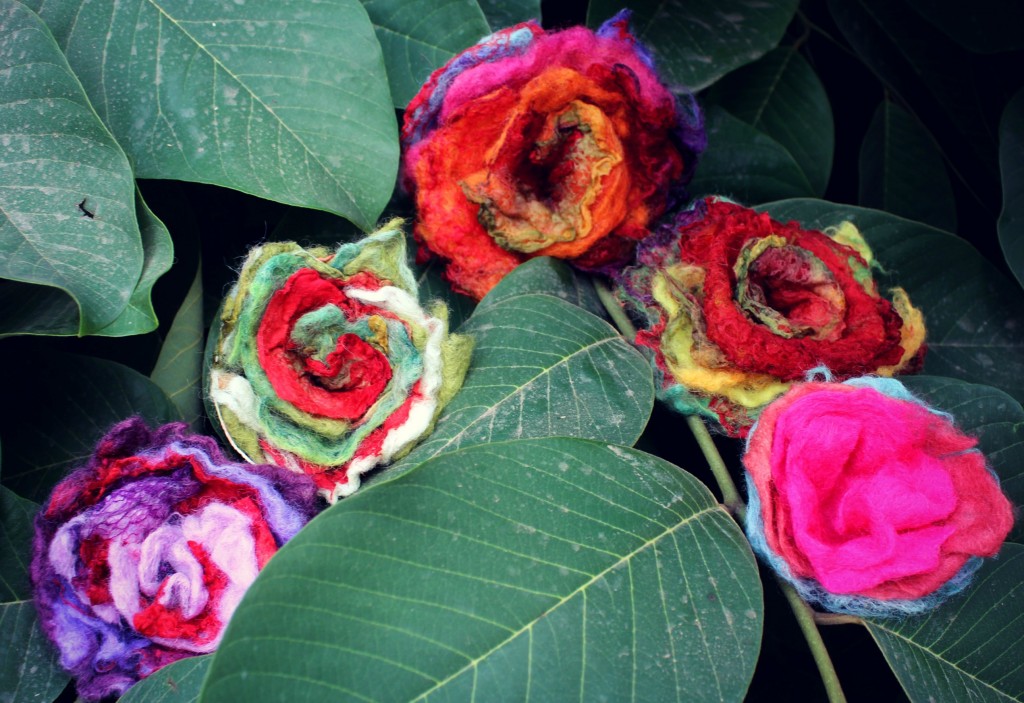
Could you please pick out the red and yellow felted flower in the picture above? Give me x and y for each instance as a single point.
(868, 501)
(739, 306)
(535, 143)
(327, 364)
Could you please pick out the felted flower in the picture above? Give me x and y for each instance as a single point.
(327, 364)
(738, 306)
(869, 501)
(142, 554)
(535, 143)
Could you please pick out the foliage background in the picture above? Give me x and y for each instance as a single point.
(911, 107)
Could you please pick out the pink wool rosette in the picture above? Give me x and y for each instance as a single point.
(868, 501)
(142, 554)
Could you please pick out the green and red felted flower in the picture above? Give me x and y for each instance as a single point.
(535, 143)
(328, 364)
(868, 501)
(738, 306)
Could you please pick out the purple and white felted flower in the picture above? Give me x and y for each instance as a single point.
(142, 554)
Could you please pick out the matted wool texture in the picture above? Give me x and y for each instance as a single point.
(537, 143)
(142, 554)
(869, 501)
(327, 364)
(734, 307)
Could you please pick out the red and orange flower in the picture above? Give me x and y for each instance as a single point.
(535, 143)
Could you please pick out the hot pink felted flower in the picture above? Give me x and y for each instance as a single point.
(869, 501)
(537, 143)
(142, 555)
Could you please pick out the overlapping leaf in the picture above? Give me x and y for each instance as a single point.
(178, 683)
(968, 649)
(286, 100)
(1011, 164)
(65, 405)
(782, 96)
(16, 516)
(972, 311)
(696, 42)
(70, 245)
(29, 670)
(502, 13)
(746, 164)
(550, 277)
(546, 570)
(542, 367)
(418, 37)
(902, 171)
(179, 368)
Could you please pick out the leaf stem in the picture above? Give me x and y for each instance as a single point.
(731, 498)
(805, 618)
(615, 310)
(836, 619)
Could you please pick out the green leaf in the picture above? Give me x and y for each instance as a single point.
(67, 213)
(988, 27)
(1011, 164)
(179, 368)
(541, 368)
(63, 410)
(902, 171)
(16, 515)
(972, 311)
(29, 670)
(996, 419)
(783, 97)
(547, 570)
(285, 100)
(549, 277)
(696, 42)
(745, 164)
(177, 683)
(968, 649)
(419, 36)
(505, 13)
(158, 255)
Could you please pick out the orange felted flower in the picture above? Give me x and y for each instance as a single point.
(533, 143)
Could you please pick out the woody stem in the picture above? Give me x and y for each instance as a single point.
(734, 504)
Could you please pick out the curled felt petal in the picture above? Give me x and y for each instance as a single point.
(870, 503)
(327, 364)
(142, 554)
(536, 143)
(735, 307)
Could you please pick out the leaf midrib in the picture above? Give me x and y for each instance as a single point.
(626, 558)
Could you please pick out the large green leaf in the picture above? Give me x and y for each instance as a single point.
(549, 277)
(996, 419)
(67, 197)
(746, 164)
(969, 649)
(505, 13)
(158, 255)
(179, 368)
(65, 404)
(972, 311)
(418, 36)
(29, 670)
(782, 96)
(178, 683)
(1011, 164)
(987, 26)
(16, 516)
(548, 570)
(286, 100)
(542, 367)
(902, 171)
(696, 42)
